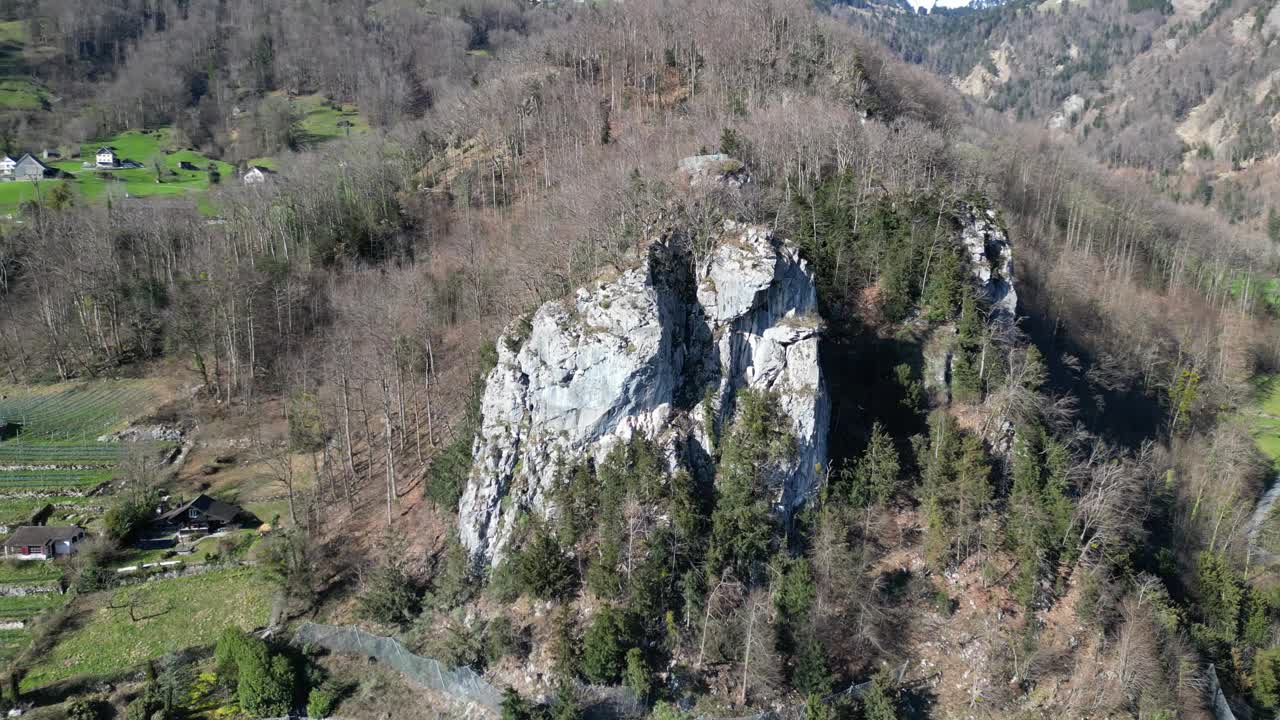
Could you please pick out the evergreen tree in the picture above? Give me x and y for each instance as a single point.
(743, 527)
(515, 707)
(812, 675)
(966, 371)
(942, 293)
(604, 647)
(1266, 677)
(878, 702)
(543, 569)
(638, 676)
(875, 477)
(1027, 527)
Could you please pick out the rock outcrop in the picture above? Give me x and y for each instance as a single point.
(663, 350)
(990, 260)
(711, 171)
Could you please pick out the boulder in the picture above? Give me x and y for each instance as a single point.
(662, 349)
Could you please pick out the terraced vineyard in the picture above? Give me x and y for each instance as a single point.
(54, 459)
(80, 412)
(17, 453)
(52, 479)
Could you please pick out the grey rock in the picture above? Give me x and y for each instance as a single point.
(710, 171)
(659, 350)
(990, 260)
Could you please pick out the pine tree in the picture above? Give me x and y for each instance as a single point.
(742, 525)
(639, 678)
(604, 647)
(1026, 526)
(875, 477)
(878, 701)
(966, 374)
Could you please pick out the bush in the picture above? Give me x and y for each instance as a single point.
(500, 640)
(85, 709)
(127, 517)
(389, 597)
(264, 681)
(321, 702)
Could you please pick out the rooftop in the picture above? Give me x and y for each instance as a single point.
(42, 534)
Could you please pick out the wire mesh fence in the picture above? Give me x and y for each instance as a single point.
(462, 683)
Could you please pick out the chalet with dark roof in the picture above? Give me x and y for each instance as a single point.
(42, 542)
(201, 514)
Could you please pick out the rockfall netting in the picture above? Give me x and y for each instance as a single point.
(458, 682)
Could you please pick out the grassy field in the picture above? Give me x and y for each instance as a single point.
(173, 614)
(320, 120)
(16, 571)
(145, 147)
(17, 90)
(1264, 417)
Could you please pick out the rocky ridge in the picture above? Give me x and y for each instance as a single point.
(662, 350)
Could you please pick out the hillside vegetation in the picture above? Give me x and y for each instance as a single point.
(1037, 511)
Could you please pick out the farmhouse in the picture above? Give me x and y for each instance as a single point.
(258, 174)
(200, 515)
(106, 156)
(28, 168)
(7, 164)
(41, 542)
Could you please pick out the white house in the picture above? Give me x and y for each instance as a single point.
(257, 174)
(41, 542)
(7, 164)
(106, 157)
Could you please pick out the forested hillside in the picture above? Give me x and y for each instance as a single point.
(649, 359)
(1178, 94)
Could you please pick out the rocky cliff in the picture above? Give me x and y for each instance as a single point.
(662, 349)
(990, 259)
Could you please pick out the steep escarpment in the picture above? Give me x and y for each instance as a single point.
(662, 350)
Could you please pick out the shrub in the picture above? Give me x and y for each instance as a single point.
(389, 597)
(1266, 677)
(500, 640)
(85, 709)
(321, 701)
(264, 681)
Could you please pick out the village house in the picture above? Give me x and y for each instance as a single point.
(42, 542)
(106, 157)
(200, 516)
(7, 164)
(258, 174)
(29, 169)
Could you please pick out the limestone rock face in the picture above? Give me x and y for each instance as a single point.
(990, 260)
(710, 171)
(662, 350)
